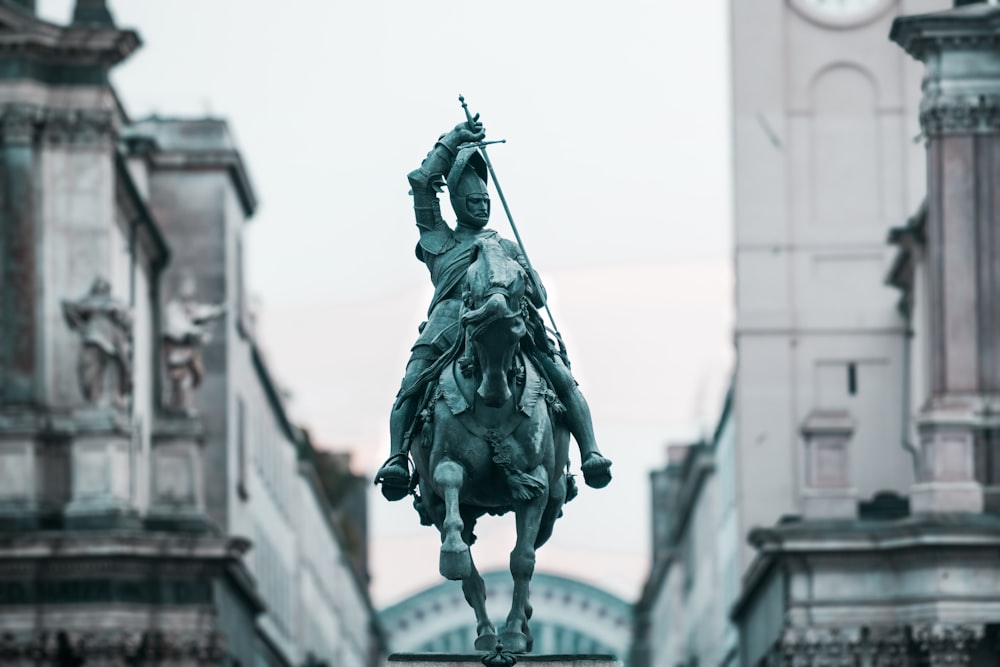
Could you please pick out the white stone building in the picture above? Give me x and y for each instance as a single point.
(156, 503)
(857, 450)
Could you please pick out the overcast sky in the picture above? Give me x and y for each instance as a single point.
(617, 172)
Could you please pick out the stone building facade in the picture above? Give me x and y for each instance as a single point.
(156, 503)
(844, 512)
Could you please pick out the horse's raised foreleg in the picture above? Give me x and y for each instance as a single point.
(455, 562)
(528, 516)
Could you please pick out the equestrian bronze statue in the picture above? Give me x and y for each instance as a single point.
(488, 402)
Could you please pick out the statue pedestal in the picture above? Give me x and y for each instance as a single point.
(476, 660)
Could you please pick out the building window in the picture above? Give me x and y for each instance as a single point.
(852, 378)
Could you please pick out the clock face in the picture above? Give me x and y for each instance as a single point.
(841, 12)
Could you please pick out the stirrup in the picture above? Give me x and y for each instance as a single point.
(394, 485)
(598, 474)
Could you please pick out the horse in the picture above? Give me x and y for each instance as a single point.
(491, 443)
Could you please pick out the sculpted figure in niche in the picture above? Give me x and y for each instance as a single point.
(185, 331)
(104, 325)
(448, 252)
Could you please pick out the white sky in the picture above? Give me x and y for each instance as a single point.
(616, 169)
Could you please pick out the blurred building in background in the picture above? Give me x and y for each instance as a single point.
(569, 617)
(156, 503)
(845, 509)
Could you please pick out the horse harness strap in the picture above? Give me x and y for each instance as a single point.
(459, 406)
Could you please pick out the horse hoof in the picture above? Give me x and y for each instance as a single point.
(486, 642)
(455, 565)
(515, 642)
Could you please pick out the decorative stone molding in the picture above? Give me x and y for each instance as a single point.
(19, 123)
(23, 124)
(832, 647)
(931, 644)
(112, 647)
(843, 647)
(78, 126)
(960, 114)
(947, 644)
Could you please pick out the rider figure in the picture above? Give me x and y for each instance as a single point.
(448, 254)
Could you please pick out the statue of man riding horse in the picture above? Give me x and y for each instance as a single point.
(488, 397)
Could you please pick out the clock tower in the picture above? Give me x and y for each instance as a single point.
(828, 157)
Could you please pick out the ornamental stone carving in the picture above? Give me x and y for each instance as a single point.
(960, 114)
(19, 122)
(22, 124)
(931, 644)
(947, 644)
(111, 647)
(844, 647)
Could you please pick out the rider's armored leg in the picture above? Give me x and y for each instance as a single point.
(596, 468)
(394, 475)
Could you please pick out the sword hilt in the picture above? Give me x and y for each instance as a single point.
(465, 108)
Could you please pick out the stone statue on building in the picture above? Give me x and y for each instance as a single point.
(185, 331)
(104, 325)
(448, 253)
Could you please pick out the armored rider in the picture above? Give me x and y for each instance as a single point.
(447, 252)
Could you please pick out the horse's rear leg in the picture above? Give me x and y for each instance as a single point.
(455, 562)
(516, 637)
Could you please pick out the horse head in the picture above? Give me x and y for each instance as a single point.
(494, 317)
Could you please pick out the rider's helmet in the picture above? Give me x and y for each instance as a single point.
(467, 189)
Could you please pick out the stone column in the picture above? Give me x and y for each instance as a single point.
(960, 117)
(828, 493)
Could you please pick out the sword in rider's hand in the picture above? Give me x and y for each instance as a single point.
(510, 218)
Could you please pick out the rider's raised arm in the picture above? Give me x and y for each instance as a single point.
(428, 179)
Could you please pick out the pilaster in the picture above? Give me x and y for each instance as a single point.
(960, 118)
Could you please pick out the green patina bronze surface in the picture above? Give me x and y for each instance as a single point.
(488, 402)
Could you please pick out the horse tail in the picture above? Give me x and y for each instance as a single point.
(524, 486)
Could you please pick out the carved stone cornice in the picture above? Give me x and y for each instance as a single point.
(24, 124)
(26, 36)
(975, 26)
(960, 114)
(112, 646)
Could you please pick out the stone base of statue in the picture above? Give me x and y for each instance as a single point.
(499, 659)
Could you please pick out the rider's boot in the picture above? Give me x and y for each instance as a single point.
(596, 468)
(394, 475)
